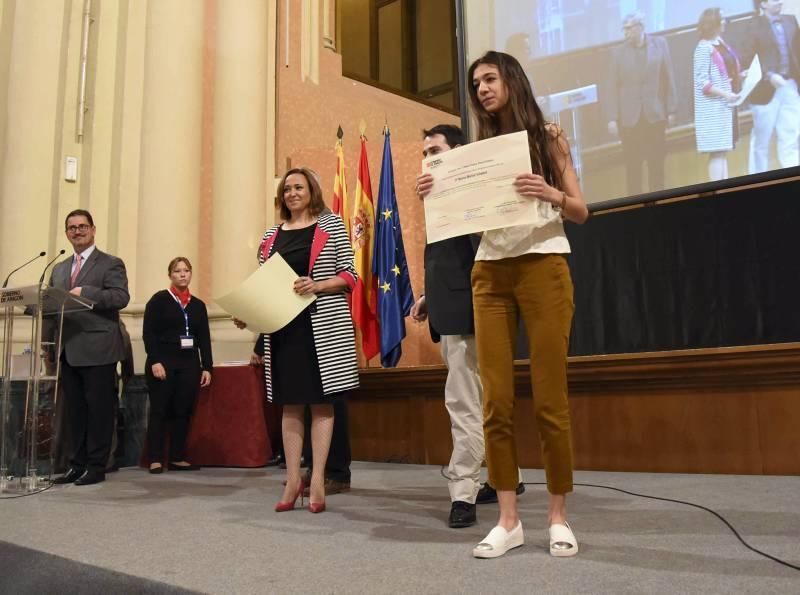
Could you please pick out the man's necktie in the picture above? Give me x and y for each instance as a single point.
(74, 277)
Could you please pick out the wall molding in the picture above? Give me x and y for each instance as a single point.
(723, 410)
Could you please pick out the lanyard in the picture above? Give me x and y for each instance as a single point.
(185, 315)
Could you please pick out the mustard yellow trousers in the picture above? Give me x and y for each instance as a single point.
(539, 288)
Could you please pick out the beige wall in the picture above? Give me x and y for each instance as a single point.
(309, 115)
(194, 107)
(176, 91)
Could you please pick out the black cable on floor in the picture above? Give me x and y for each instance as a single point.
(39, 491)
(685, 503)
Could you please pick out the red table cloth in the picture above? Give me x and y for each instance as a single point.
(229, 425)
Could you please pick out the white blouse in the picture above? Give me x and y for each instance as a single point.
(510, 242)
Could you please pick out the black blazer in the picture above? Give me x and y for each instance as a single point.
(631, 95)
(163, 326)
(448, 286)
(763, 44)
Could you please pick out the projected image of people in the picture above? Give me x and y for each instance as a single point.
(658, 98)
(717, 82)
(641, 101)
(775, 101)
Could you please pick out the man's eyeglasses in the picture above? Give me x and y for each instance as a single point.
(76, 228)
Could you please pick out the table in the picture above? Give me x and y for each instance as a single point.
(230, 424)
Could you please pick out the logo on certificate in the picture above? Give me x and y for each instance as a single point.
(434, 163)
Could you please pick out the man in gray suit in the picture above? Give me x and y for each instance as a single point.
(640, 101)
(92, 344)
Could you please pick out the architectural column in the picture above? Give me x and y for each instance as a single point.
(31, 166)
(242, 128)
(309, 40)
(328, 17)
(169, 190)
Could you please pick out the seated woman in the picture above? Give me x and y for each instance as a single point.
(312, 360)
(178, 345)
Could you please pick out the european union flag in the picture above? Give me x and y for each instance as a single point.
(395, 297)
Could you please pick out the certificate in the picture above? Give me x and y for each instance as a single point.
(473, 188)
(266, 300)
(750, 81)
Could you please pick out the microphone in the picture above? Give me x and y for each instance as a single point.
(60, 252)
(5, 283)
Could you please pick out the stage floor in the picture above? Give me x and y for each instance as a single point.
(214, 531)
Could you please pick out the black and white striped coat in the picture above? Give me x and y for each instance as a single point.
(332, 326)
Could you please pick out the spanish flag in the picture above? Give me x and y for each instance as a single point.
(362, 234)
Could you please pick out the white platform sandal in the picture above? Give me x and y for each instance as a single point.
(562, 541)
(499, 541)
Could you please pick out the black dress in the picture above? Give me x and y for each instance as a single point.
(295, 368)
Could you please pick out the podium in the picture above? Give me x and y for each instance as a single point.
(28, 376)
(570, 101)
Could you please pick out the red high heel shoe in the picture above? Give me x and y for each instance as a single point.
(316, 507)
(286, 506)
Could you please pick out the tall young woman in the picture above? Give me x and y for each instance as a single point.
(522, 271)
(312, 360)
(178, 345)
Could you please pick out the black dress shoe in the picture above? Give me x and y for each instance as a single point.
(462, 514)
(275, 461)
(189, 467)
(332, 486)
(90, 477)
(488, 495)
(70, 476)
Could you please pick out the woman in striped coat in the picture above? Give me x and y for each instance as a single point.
(717, 79)
(312, 360)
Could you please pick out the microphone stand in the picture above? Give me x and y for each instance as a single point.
(5, 283)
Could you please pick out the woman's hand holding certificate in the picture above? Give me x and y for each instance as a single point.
(478, 187)
(534, 186)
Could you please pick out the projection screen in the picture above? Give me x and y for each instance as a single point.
(646, 89)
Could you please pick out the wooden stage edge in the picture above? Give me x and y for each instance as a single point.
(732, 410)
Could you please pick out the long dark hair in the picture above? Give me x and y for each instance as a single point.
(526, 115)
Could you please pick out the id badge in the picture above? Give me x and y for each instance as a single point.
(187, 342)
